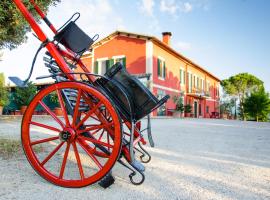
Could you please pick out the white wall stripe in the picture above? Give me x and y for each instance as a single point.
(149, 61)
(165, 88)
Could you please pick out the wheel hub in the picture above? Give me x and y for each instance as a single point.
(67, 135)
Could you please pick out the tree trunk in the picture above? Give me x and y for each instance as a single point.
(235, 109)
(242, 109)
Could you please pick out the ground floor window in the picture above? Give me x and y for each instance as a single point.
(121, 59)
(161, 111)
(207, 109)
(103, 64)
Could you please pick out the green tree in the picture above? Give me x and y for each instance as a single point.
(257, 105)
(3, 91)
(240, 86)
(13, 26)
(24, 95)
(226, 106)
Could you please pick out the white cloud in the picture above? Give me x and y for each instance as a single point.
(96, 16)
(187, 7)
(185, 46)
(147, 7)
(173, 7)
(169, 6)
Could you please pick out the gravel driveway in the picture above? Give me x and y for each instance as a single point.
(193, 159)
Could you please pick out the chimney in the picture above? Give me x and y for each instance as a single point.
(166, 38)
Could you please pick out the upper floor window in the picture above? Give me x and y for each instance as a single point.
(208, 86)
(217, 93)
(202, 84)
(161, 68)
(189, 82)
(182, 76)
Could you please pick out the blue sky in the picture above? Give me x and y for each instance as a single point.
(224, 36)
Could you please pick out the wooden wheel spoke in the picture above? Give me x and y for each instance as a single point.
(45, 126)
(64, 162)
(90, 154)
(99, 138)
(97, 142)
(108, 141)
(89, 113)
(44, 140)
(51, 113)
(76, 108)
(92, 133)
(61, 101)
(94, 127)
(86, 135)
(52, 154)
(95, 118)
(78, 160)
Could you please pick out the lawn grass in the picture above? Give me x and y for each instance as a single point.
(13, 148)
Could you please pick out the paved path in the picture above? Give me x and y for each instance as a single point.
(193, 159)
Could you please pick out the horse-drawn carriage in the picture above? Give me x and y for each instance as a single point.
(101, 114)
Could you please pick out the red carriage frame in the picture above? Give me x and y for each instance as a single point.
(111, 121)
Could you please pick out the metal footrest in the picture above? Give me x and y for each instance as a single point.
(138, 166)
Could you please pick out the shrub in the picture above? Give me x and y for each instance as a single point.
(23, 96)
(187, 108)
(3, 91)
(178, 100)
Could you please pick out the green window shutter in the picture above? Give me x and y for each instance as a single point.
(181, 81)
(191, 80)
(184, 77)
(164, 70)
(124, 62)
(111, 63)
(158, 62)
(96, 67)
(107, 65)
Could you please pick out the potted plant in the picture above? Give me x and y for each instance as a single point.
(187, 109)
(23, 96)
(179, 106)
(3, 93)
(54, 99)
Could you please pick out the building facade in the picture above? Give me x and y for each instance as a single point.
(171, 72)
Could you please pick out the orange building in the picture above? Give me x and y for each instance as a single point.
(171, 72)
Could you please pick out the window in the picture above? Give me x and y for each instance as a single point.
(189, 82)
(161, 111)
(161, 68)
(182, 76)
(121, 59)
(198, 83)
(202, 84)
(208, 86)
(102, 65)
(207, 109)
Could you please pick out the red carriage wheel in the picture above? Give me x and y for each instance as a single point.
(79, 147)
